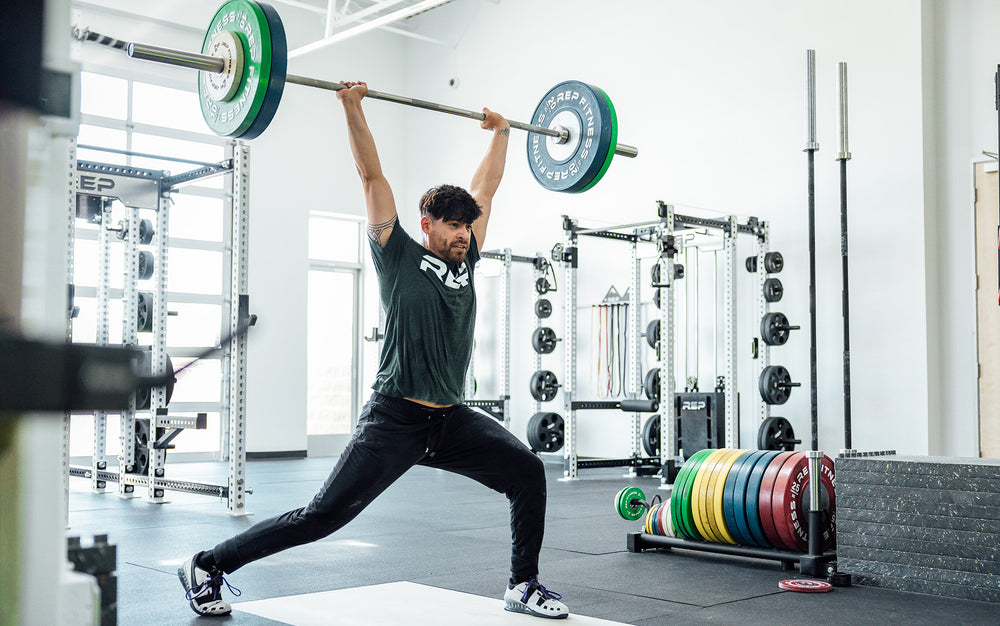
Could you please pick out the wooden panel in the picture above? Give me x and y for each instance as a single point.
(988, 309)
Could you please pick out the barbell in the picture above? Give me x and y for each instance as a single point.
(243, 67)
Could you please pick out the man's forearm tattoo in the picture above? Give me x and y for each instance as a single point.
(375, 230)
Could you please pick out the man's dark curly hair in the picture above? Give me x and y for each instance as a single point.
(448, 202)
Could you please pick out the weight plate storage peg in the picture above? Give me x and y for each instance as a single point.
(544, 385)
(773, 290)
(776, 433)
(546, 432)
(578, 162)
(775, 384)
(630, 503)
(543, 308)
(543, 340)
(774, 328)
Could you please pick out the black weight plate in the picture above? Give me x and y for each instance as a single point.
(774, 328)
(142, 394)
(654, 273)
(774, 384)
(773, 262)
(546, 432)
(580, 162)
(656, 297)
(543, 308)
(652, 384)
(144, 312)
(146, 265)
(651, 436)
(653, 333)
(543, 340)
(773, 290)
(145, 232)
(776, 433)
(751, 264)
(544, 385)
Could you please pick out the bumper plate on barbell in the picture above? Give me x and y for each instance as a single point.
(258, 29)
(579, 163)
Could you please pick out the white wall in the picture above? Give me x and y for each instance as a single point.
(713, 95)
(965, 124)
(302, 163)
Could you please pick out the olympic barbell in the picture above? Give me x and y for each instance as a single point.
(243, 63)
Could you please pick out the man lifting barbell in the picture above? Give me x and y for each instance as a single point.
(415, 415)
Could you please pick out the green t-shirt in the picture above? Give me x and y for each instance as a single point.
(430, 315)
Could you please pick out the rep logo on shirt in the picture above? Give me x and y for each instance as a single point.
(440, 269)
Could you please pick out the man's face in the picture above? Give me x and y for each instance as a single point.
(449, 239)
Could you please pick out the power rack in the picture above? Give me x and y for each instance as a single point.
(93, 186)
(664, 234)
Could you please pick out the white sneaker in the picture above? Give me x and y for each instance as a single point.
(204, 589)
(534, 599)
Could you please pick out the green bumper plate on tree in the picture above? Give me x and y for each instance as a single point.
(259, 30)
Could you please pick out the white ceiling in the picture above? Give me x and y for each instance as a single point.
(340, 18)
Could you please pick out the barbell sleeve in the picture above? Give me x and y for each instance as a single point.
(206, 63)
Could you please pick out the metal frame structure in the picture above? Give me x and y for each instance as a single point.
(501, 408)
(664, 233)
(568, 255)
(139, 188)
(670, 247)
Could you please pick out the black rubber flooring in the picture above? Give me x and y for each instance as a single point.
(447, 531)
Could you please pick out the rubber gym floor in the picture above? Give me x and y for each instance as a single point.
(448, 532)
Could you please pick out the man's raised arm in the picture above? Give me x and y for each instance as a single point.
(379, 203)
(487, 177)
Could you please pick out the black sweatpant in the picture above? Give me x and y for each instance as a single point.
(392, 436)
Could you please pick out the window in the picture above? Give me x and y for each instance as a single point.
(333, 326)
(120, 120)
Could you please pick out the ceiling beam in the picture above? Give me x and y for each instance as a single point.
(367, 26)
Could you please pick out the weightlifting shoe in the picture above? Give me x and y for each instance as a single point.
(203, 589)
(532, 598)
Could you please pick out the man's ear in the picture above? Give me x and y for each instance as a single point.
(425, 223)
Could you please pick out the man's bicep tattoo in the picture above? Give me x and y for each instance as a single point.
(375, 231)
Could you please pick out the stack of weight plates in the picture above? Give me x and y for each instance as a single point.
(750, 498)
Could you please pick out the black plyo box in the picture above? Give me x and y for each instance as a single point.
(701, 421)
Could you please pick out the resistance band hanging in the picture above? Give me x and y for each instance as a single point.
(608, 348)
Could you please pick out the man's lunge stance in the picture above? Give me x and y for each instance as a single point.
(415, 415)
